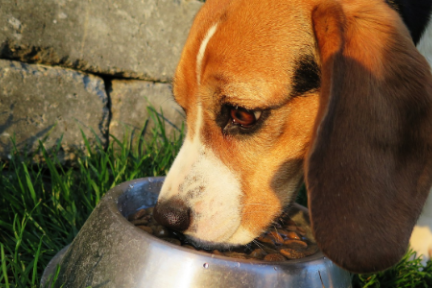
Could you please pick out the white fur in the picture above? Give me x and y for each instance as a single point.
(210, 189)
(202, 49)
(425, 44)
(421, 238)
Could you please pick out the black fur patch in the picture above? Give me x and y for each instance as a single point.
(414, 13)
(306, 77)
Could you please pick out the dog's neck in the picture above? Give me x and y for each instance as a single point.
(415, 14)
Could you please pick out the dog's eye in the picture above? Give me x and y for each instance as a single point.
(243, 117)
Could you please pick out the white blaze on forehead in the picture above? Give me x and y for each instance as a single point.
(202, 49)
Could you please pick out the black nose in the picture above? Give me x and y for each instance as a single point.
(172, 214)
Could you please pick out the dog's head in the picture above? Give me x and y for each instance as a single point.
(333, 92)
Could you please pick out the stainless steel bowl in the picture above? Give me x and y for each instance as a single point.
(109, 251)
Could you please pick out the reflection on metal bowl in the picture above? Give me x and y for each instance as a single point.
(109, 251)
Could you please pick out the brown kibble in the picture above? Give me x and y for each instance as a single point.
(293, 235)
(275, 257)
(236, 255)
(277, 238)
(296, 244)
(189, 247)
(217, 252)
(140, 222)
(283, 233)
(292, 253)
(258, 253)
(172, 240)
(265, 239)
(146, 229)
(301, 231)
(312, 249)
(286, 237)
(137, 215)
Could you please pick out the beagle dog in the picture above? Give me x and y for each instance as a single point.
(332, 93)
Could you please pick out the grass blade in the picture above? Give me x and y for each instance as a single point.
(35, 270)
(4, 270)
(29, 184)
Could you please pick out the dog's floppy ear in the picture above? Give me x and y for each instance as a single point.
(368, 170)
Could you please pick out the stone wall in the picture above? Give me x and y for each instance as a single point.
(91, 65)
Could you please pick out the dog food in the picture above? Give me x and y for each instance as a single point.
(285, 240)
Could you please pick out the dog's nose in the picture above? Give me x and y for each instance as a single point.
(172, 214)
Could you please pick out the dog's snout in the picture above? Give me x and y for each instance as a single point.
(173, 214)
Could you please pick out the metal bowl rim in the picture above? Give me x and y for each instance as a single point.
(113, 206)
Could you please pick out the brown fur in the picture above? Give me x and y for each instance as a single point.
(368, 173)
(369, 126)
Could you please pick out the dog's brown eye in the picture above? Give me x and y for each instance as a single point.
(243, 117)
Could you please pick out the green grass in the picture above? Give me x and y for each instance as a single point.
(407, 273)
(43, 206)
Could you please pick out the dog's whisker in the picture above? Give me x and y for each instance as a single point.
(259, 245)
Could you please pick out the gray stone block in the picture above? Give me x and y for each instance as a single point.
(135, 38)
(39, 102)
(130, 102)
